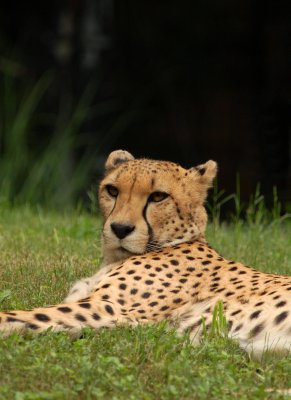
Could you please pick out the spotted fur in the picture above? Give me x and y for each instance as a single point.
(158, 265)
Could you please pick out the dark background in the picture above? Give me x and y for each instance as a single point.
(185, 81)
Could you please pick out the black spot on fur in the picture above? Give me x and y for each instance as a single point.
(281, 304)
(145, 295)
(64, 309)
(214, 285)
(238, 327)
(255, 314)
(85, 305)
(80, 317)
(109, 309)
(235, 312)
(31, 326)
(174, 262)
(12, 319)
(196, 324)
(229, 324)
(122, 286)
(130, 272)
(42, 317)
(114, 274)
(96, 316)
(256, 330)
(280, 318)
(105, 286)
(153, 303)
(133, 291)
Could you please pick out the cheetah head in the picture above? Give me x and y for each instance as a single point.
(150, 204)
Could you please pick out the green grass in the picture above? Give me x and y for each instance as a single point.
(43, 253)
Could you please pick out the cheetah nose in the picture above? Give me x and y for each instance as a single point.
(122, 230)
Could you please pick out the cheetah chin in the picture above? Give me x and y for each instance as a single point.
(158, 266)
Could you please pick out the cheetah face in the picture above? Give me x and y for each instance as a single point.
(150, 204)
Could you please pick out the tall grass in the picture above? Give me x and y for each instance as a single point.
(253, 212)
(44, 173)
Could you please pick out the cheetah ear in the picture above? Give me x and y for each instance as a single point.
(205, 173)
(117, 157)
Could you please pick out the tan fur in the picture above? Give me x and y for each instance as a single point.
(164, 268)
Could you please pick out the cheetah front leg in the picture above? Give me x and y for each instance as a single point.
(84, 287)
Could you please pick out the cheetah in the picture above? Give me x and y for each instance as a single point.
(158, 265)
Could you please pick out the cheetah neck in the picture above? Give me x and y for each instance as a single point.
(112, 256)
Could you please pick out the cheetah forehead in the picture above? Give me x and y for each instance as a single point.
(148, 166)
(146, 173)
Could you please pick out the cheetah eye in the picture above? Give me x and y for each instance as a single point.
(112, 190)
(156, 197)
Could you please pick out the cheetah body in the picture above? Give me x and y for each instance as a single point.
(163, 268)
